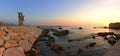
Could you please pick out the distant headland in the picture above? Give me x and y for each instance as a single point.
(114, 25)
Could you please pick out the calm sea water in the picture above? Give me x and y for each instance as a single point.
(83, 37)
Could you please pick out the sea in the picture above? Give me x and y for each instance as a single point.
(82, 38)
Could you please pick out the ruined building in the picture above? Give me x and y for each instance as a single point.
(20, 18)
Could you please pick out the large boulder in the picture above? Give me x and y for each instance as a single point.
(56, 47)
(10, 43)
(25, 45)
(105, 33)
(6, 38)
(91, 45)
(1, 42)
(1, 51)
(18, 51)
(61, 33)
(2, 34)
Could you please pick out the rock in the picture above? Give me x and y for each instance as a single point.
(103, 34)
(16, 38)
(1, 42)
(1, 51)
(6, 38)
(61, 33)
(11, 43)
(80, 28)
(117, 37)
(34, 51)
(2, 34)
(105, 27)
(25, 45)
(44, 33)
(91, 45)
(60, 27)
(93, 37)
(56, 47)
(18, 51)
(32, 39)
(111, 41)
(70, 40)
(79, 51)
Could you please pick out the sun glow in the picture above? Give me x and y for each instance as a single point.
(103, 13)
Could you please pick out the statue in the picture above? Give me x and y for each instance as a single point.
(21, 18)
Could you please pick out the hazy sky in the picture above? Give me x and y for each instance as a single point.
(61, 12)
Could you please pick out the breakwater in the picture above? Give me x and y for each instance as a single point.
(17, 40)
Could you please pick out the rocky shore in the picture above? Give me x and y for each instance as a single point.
(17, 40)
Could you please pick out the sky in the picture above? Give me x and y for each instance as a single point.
(61, 12)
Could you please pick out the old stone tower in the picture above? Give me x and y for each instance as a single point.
(20, 18)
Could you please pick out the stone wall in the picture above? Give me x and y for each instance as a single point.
(17, 40)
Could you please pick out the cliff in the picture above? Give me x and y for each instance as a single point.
(114, 25)
(17, 40)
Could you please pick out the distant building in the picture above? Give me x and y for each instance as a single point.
(114, 25)
(20, 18)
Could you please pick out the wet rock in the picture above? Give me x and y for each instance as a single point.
(1, 51)
(14, 52)
(51, 38)
(1, 42)
(25, 45)
(70, 40)
(44, 33)
(111, 36)
(105, 27)
(60, 27)
(79, 51)
(105, 38)
(35, 51)
(117, 37)
(44, 39)
(32, 39)
(61, 33)
(80, 28)
(103, 34)
(10, 43)
(48, 43)
(93, 37)
(91, 45)
(56, 47)
(111, 41)
(38, 27)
